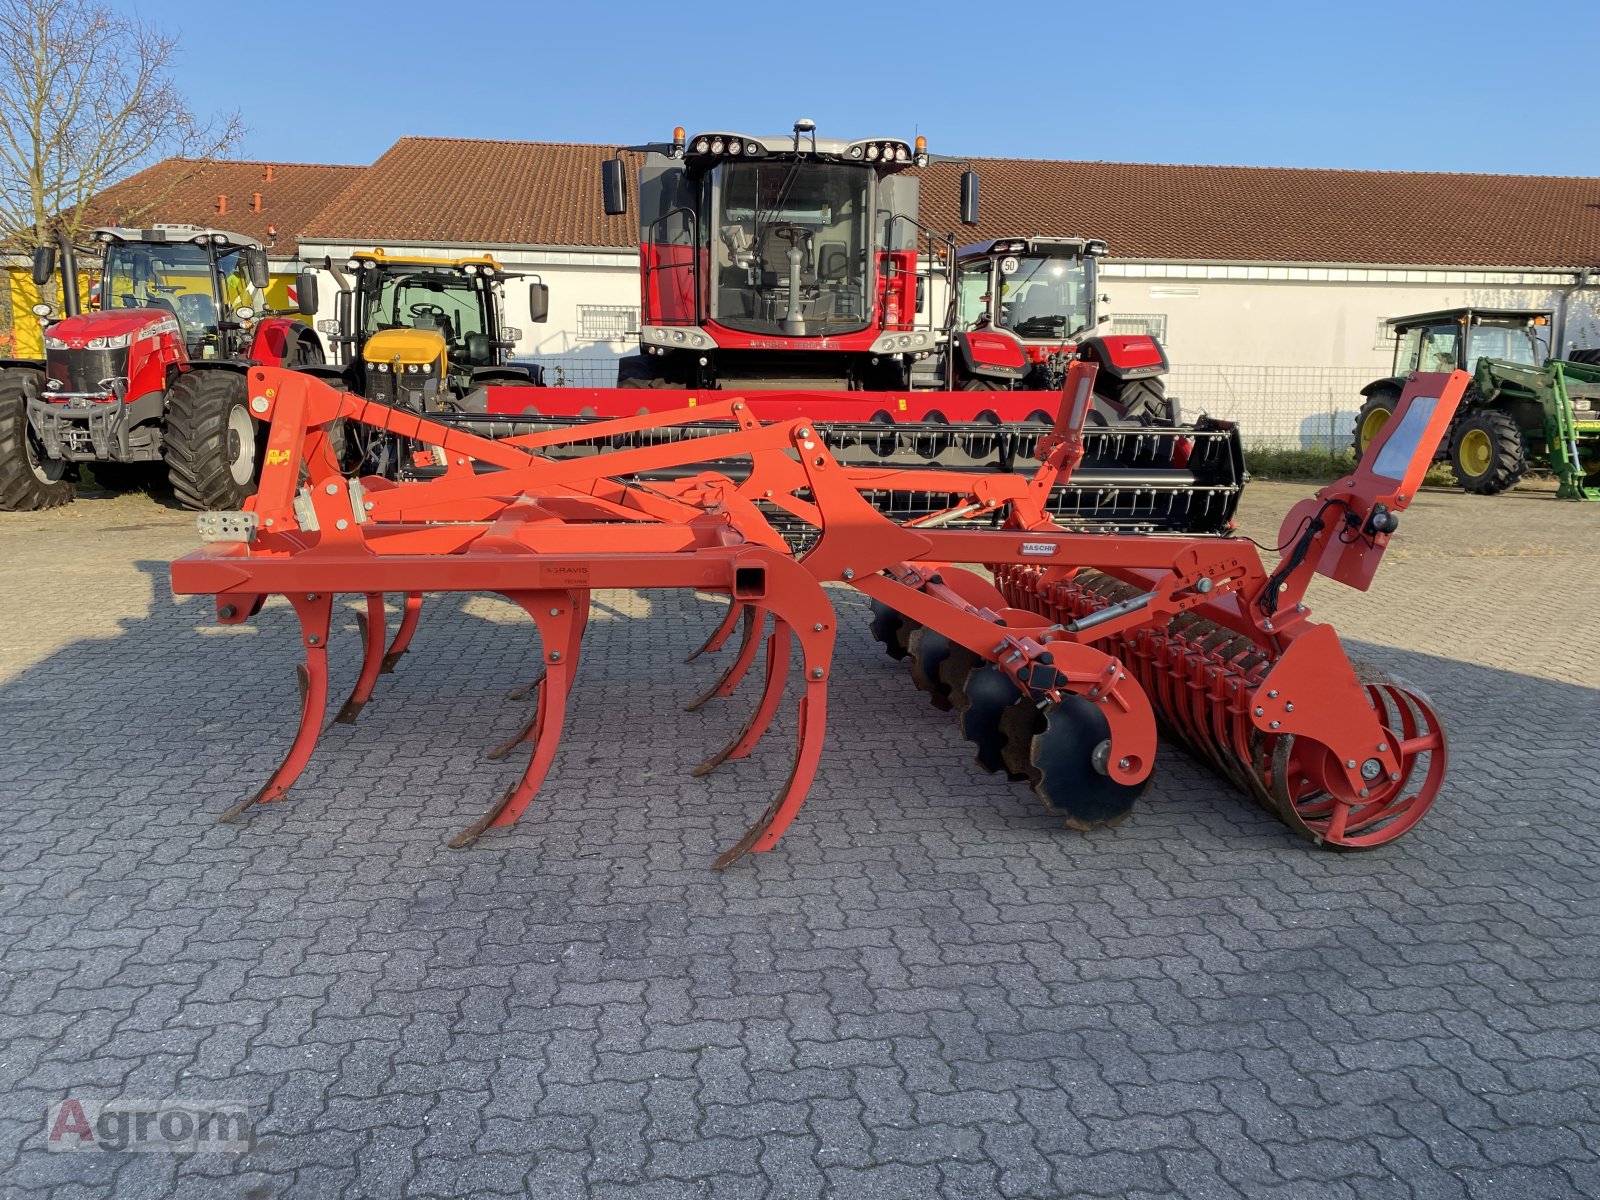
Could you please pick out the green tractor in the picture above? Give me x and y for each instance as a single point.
(1521, 408)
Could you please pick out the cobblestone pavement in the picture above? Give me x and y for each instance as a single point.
(927, 990)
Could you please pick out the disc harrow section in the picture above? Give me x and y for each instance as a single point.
(1055, 665)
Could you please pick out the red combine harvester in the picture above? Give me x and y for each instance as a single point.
(156, 376)
(796, 271)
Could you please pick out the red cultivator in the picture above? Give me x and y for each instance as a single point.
(1059, 667)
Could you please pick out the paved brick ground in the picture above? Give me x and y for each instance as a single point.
(927, 990)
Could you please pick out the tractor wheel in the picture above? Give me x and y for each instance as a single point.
(1133, 401)
(28, 480)
(1589, 358)
(1374, 415)
(1487, 452)
(983, 385)
(211, 440)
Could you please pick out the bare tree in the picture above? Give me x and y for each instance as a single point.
(87, 96)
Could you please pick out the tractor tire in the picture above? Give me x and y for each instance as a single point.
(979, 384)
(28, 480)
(1133, 401)
(1487, 453)
(1590, 357)
(212, 444)
(1374, 415)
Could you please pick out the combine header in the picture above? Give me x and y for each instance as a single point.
(1060, 668)
(795, 271)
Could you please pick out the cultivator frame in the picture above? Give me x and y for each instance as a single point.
(1013, 654)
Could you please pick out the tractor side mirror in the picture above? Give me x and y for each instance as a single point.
(614, 186)
(255, 264)
(538, 303)
(344, 307)
(306, 293)
(44, 264)
(969, 197)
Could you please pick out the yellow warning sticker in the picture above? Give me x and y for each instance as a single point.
(902, 404)
(274, 457)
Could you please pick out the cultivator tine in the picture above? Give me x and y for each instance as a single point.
(755, 619)
(561, 624)
(764, 834)
(771, 693)
(315, 612)
(720, 635)
(403, 635)
(525, 730)
(374, 634)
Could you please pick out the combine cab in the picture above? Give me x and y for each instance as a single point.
(795, 271)
(156, 377)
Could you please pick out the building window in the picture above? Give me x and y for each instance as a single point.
(1386, 336)
(607, 322)
(1140, 325)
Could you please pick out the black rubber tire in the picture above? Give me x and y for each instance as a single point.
(1508, 462)
(25, 486)
(1133, 401)
(1589, 357)
(199, 450)
(1383, 399)
(983, 385)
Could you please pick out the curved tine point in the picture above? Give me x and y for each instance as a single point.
(373, 626)
(764, 834)
(752, 731)
(313, 680)
(754, 620)
(473, 832)
(723, 631)
(402, 636)
(516, 739)
(527, 689)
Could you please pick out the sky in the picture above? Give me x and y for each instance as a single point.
(1481, 87)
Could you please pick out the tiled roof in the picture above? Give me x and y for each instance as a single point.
(197, 191)
(497, 193)
(1275, 214)
(475, 192)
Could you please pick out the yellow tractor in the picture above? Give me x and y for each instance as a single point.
(426, 334)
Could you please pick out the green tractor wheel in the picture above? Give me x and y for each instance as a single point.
(1374, 415)
(1487, 453)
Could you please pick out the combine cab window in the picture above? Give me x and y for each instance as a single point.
(790, 247)
(1045, 298)
(441, 301)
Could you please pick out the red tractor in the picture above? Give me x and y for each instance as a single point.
(796, 271)
(1027, 308)
(155, 376)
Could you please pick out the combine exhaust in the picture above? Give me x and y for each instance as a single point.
(1059, 669)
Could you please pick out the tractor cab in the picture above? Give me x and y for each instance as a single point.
(423, 333)
(1454, 339)
(1451, 339)
(1041, 289)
